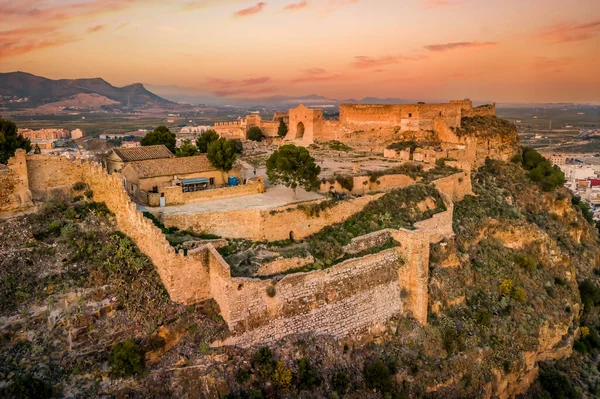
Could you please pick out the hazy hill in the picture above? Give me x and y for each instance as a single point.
(40, 91)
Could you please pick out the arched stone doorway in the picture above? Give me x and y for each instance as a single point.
(300, 130)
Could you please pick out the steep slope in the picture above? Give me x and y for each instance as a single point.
(40, 91)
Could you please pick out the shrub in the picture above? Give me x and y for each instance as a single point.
(89, 194)
(339, 146)
(79, 186)
(347, 182)
(126, 359)
(340, 382)
(506, 287)
(557, 385)
(590, 295)
(255, 134)
(518, 293)
(282, 377)
(526, 261)
(585, 209)
(69, 231)
(585, 331)
(307, 376)
(271, 291)
(378, 376)
(27, 387)
(264, 363)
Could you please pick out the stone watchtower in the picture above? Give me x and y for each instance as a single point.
(305, 124)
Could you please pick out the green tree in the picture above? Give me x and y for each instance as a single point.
(221, 155)
(205, 139)
(541, 170)
(187, 149)
(160, 135)
(282, 131)
(11, 140)
(255, 134)
(37, 149)
(293, 166)
(237, 145)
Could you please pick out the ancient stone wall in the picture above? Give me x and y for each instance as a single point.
(185, 278)
(344, 299)
(270, 128)
(456, 186)
(175, 196)
(368, 241)
(283, 265)
(363, 184)
(51, 175)
(231, 130)
(406, 116)
(341, 300)
(15, 195)
(338, 301)
(269, 225)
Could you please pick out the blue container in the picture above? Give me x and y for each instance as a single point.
(233, 181)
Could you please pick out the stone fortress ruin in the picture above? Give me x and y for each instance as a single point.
(346, 299)
(308, 125)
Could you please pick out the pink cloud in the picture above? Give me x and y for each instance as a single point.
(25, 40)
(95, 28)
(37, 11)
(296, 6)
(250, 10)
(570, 31)
(440, 3)
(458, 45)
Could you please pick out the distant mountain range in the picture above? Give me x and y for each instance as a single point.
(24, 90)
(198, 96)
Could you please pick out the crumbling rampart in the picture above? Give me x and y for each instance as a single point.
(344, 299)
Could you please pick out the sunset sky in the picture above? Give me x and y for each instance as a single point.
(505, 50)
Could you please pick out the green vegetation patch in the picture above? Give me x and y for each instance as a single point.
(485, 126)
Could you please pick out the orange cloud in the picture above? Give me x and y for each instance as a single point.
(225, 83)
(296, 6)
(364, 62)
(95, 28)
(553, 65)
(459, 45)
(570, 32)
(250, 10)
(317, 75)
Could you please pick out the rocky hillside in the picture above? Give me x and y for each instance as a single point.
(83, 312)
(40, 91)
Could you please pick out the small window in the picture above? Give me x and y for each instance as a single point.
(212, 181)
(410, 115)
